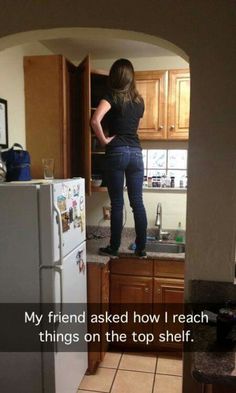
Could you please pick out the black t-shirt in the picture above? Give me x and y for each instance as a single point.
(123, 120)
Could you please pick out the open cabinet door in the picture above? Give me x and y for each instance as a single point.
(81, 142)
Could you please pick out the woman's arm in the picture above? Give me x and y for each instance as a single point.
(96, 119)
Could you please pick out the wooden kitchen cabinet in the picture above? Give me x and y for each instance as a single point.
(148, 286)
(168, 296)
(166, 96)
(178, 105)
(92, 86)
(129, 293)
(152, 85)
(98, 302)
(217, 388)
(168, 291)
(59, 101)
(48, 112)
(126, 289)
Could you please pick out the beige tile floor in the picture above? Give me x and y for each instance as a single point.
(135, 373)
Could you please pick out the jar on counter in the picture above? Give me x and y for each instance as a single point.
(145, 181)
(168, 181)
(154, 181)
(172, 182)
(163, 181)
(149, 181)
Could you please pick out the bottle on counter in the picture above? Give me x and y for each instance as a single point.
(179, 236)
(168, 180)
(172, 182)
(163, 181)
(145, 181)
(186, 181)
(154, 181)
(149, 181)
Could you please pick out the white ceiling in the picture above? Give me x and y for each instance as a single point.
(75, 49)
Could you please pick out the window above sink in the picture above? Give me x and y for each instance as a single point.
(166, 163)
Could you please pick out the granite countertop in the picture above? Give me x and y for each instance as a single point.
(97, 238)
(212, 363)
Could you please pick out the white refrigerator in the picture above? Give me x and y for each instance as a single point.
(42, 260)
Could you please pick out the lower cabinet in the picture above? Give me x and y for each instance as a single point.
(131, 289)
(130, 294)
(168, 297)
(217, 388)
(148, 287)
(98, 302)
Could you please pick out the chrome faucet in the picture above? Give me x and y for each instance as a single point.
(158, 222)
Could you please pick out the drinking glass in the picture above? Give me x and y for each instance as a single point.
(48, 168)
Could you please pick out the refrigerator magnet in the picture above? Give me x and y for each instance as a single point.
(69, 193)
(71, 215)
(65, 222)
(61, 203)
(81, 203)
(76, 191)
(82, 221)
(77, 222)
(74, 203)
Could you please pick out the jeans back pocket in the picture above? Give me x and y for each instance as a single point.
(139, 161)
(114, 161)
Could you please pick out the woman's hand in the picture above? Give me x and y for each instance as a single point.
(106, 140)
(103, 107)
(109, 139)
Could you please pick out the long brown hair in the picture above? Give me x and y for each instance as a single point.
(122, 82)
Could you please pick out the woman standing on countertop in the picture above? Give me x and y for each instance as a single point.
(123, 153)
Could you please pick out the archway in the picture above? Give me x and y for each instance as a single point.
(38, 35)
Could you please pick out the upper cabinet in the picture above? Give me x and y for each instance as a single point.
(92, 85)
(48, 112)
(166, 96)
(152, 85)
(178, 104)
(59, 101)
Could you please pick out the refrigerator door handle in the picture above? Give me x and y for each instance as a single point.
(60, 231)
(57, 269)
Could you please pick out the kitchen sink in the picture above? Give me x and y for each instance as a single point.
(167, 246)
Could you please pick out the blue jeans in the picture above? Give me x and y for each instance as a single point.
(126, 161)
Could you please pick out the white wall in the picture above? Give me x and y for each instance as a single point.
(145, 64)
(173, 208)
(12, 87)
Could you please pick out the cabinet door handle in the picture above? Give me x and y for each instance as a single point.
(146, 289)
(160, 127)
(172, 127)
(158, 291)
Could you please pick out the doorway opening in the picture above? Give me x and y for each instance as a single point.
(156, 63)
